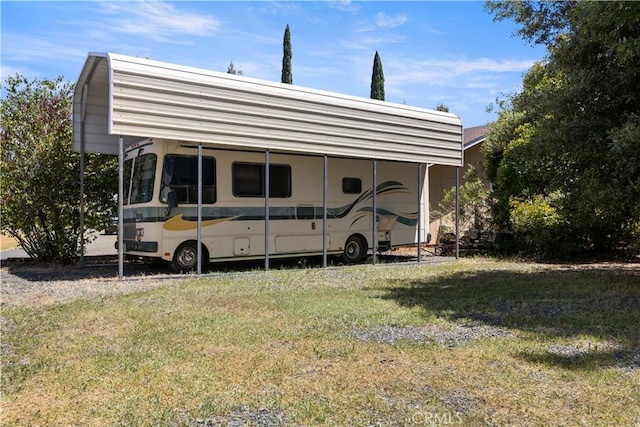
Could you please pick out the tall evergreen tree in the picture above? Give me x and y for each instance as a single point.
(377, 79)
(287, 76)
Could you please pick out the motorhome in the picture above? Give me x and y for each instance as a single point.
(161, 197)
(204, 156)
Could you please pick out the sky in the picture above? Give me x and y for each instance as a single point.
(449, 53)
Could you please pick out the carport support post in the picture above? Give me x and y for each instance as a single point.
(85, 93)
(457, 212)
(419, 212)
(374, 214)
(324, 210)
(266, 210)
(120, 208)
(82, 203)
(199, 236)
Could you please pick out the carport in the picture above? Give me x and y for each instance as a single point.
(119, 100)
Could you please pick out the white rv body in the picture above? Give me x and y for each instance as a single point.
(122, 100)
(233, 224)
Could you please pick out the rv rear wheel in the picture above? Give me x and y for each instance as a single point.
(185, 258)
(355, 249)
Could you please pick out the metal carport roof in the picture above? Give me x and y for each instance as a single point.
(135, 98)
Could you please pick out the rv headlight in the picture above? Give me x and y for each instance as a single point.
(139, 233)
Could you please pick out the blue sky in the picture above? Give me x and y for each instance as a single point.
(432, 52)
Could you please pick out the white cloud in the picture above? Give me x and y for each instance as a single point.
(470, 84)
(27, 49)
(382, 21)
(157, 20)
(369, 42)
(385, 21)
(7, 70)
(344, 5)
(475, 73)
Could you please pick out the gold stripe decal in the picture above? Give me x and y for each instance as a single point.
(177, 223)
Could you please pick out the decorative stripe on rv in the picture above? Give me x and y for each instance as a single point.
(185, 218)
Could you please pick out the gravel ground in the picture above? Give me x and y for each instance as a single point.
(30, 284)
(446, 336)
(246, 416)
(25, 282)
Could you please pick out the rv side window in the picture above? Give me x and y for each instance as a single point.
(180, 175)
(351, 185)
(144, 173)
(128, 166)
(248, 180)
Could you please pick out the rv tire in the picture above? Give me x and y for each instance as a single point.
(185, 258)
(355, 250)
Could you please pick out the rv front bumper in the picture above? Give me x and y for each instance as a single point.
(134, 246)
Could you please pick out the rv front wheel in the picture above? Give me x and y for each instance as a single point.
(355, 250)
(185, 258)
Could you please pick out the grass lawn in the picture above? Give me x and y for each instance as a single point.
(477, 342)
(7, 242)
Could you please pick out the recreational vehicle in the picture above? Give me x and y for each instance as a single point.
(204, 156)
(161, 197)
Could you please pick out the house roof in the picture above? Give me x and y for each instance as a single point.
(474, 136)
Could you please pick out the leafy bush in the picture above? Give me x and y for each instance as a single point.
(538, 226)
(473, 201)
(40, 174)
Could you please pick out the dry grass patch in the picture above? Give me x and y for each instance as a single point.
(477, 342)
(7, 242)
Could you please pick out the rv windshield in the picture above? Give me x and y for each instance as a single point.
(139, 178)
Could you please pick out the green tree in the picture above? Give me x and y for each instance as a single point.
(569, 143)
(473, 198)
(377, 79)
(40, 174)
(232, 70)
(442, 107)
(287, 74)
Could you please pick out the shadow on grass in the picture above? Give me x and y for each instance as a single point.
(567, 305)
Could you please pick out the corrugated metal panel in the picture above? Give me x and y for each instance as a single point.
(160, 100)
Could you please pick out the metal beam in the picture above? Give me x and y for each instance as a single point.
(419, 213)
(374, 213)
(266, 209)
(82, 203)
(120, 208)
(199, 250)
(457, 212)
(324, 209)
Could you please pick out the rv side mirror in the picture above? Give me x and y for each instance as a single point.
(172, 199)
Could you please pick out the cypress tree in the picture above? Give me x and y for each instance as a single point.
(377, 79)
(287, 76)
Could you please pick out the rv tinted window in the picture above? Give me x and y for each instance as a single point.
(351, 185)
(248, 180)
(144, 174)
(128, 167)
(180, 175)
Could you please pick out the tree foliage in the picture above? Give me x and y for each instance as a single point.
(570, 141)
(40, 174)
(231, 69)
(377, 79)
(442, 107)
(287, 74)
(473, 198)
